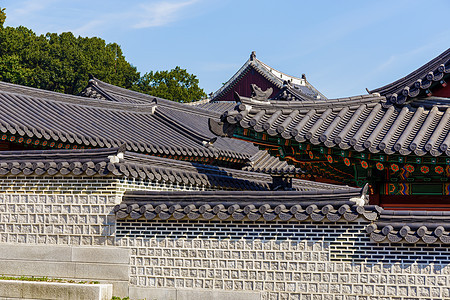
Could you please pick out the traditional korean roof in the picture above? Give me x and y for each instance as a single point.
(317, 205)
(117, 162)
(259, 162)
(362, 123)
(263, 162)
(151, 126)
(418, 83)
(411, 227)
(277, 78)
(216, 106)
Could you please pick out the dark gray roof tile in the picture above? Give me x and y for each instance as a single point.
(370, 126)
(317, 205)
(155, 127)
(411, 227)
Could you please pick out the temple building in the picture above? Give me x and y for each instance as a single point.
(255, 72)
(396, 138)
(283, 195)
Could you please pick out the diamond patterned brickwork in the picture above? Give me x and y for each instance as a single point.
(282, 260)
(64, 210)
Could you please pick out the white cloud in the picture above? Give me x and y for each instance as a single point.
(30, 7)
(161, 13)
(59, 16)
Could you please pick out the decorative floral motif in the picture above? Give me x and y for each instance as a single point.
(379, 166)
(4, 137)
(364, 164)
(330, 159)
(311, 155)
(347, 162)
(409, 168)
(28, 141)
(439, 169)
(395, 167)
(20, 140)
(12, 138)
(424, 169)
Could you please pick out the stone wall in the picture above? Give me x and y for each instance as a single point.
(64, 210)
(79, 263)
(46, 222)
(171, 258)
(283, 260)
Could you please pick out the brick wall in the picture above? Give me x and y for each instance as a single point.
(283, 260)
(64, 210)
(279, 260)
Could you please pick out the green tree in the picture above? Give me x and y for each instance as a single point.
(61, 62)
(2, 17)
(176, 84)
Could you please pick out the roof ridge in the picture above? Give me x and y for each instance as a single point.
(66, 98)
(301, 79)
(422, 78)
(359, 99)
(160, 101)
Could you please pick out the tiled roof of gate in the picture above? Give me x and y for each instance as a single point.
(362, 123)
(120, 163)
(158, 127)
(417, 82)
(259, 162)
(265, 163)
(317, 205)
(394, 226)
(217, 106)
(272, 75)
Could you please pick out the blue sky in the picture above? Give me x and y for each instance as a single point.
(343, 47)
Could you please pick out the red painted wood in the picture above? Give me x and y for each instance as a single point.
(8, 146)
(415, 202)
(442, 91)
(243, 86)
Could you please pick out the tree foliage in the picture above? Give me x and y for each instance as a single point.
(63, 63)
(2, 17)
(176, 84)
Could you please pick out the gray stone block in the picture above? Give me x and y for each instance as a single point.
(138, 293)
(109, 255)
(35, 252)
(49, 290)
(37, 268)
(101, 271)
(188, 294)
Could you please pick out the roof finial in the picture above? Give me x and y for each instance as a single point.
(253, 55)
